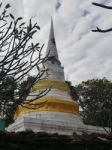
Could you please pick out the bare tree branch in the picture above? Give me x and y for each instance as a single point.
(97, 28)
(101, 30)
(101, 5)
(19, 56)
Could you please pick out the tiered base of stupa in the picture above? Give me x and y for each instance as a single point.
(52, 122)
(56, 112)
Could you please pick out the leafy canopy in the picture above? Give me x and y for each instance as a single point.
(95, 100)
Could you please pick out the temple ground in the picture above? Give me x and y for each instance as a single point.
(42, 141)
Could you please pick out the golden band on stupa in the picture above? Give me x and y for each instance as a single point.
(47, 83)
(49, 103)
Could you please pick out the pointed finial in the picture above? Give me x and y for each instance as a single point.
(51, 20)
(51, 48)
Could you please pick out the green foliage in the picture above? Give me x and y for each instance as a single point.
(10, 93)
(95, 100)
(7, 98)
(23, 87)
(73, 91)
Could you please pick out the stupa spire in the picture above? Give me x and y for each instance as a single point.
(51, 48)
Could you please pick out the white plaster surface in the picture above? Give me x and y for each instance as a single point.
(53, 122)
(54, 71)
(53, 92)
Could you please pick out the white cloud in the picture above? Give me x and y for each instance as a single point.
(85, 55)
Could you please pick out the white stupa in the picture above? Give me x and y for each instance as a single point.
(56, 112)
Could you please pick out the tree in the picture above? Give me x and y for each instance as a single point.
(95, 100)
(15, 46)
(97, 28)
(10, 93)
(73, 92)
(23, 87)
(17, 57)
(7, 99)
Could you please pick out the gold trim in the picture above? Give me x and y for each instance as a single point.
(49, 83)
(52, 104)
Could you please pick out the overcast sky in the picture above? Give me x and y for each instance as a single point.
(84, 54)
